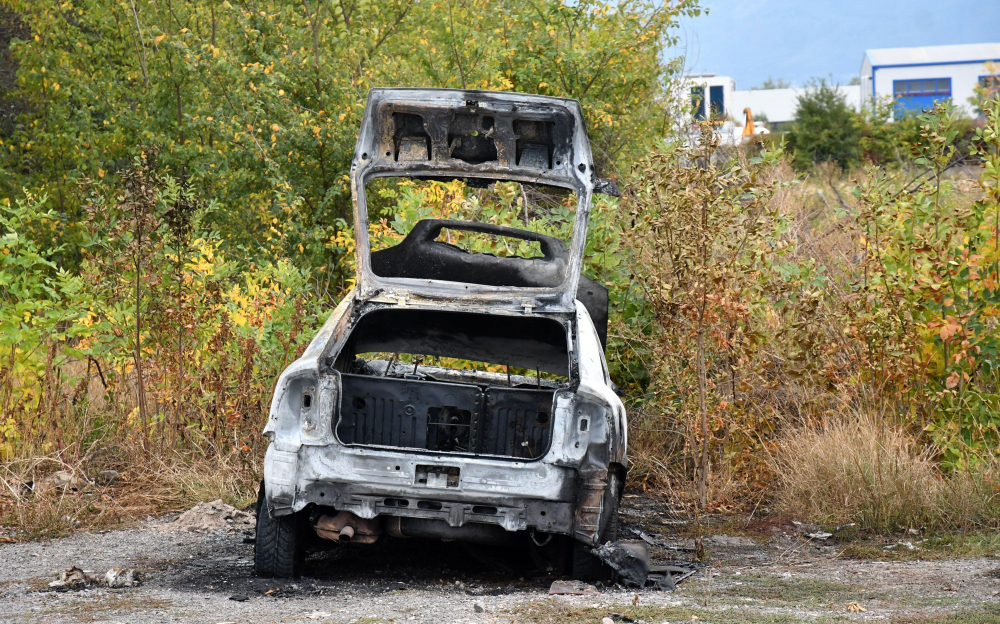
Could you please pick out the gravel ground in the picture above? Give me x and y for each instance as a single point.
(207, 577)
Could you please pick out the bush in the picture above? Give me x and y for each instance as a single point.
(159, 339)
(932, 265)
(824, 128)
(883, 142)
(701, 234)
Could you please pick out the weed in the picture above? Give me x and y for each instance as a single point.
(860, 468)
(857, 469)
(145, 486)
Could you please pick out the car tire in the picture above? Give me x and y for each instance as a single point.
(278, 547)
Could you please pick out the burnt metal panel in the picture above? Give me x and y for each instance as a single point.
(445, 417)
(474, 135)
(594, 296)
(517, 422)
(400, 412)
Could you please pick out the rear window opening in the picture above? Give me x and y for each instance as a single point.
(452, 382)
(474, 231)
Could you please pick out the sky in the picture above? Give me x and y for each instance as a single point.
(796, 40)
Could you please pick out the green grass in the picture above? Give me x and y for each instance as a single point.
(555, 611)
(768, 591)
(93, 608)
(936, 547)
(765, 587)
(772, 592)
(552, 611)
(986, 614)
(794, 591)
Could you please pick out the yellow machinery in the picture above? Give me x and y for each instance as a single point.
(748, 129)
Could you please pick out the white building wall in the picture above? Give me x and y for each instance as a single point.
(963, 64)
(710, 80)
(866, 81)
(779, 105)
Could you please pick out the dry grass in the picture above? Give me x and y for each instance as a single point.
(31, 507)
(860, 468)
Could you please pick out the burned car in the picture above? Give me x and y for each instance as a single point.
(454, 394)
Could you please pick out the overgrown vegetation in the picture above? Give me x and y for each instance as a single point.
(825, 297)
(176, 212)
(175, 225)
(703, 232)
(828, 129)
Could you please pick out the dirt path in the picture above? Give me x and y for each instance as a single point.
(206, 577)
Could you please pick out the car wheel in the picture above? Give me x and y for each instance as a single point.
(278, 547)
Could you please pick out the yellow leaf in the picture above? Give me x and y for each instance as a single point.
(160, 38)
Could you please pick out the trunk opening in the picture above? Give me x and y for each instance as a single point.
(452, 382)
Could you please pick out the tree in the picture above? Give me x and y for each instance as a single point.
(257, 105)
(702, 227)
(824, 129)
(771, 83)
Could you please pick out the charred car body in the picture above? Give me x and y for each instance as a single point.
(363, 446)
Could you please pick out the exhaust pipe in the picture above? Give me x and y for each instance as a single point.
(348, 527)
